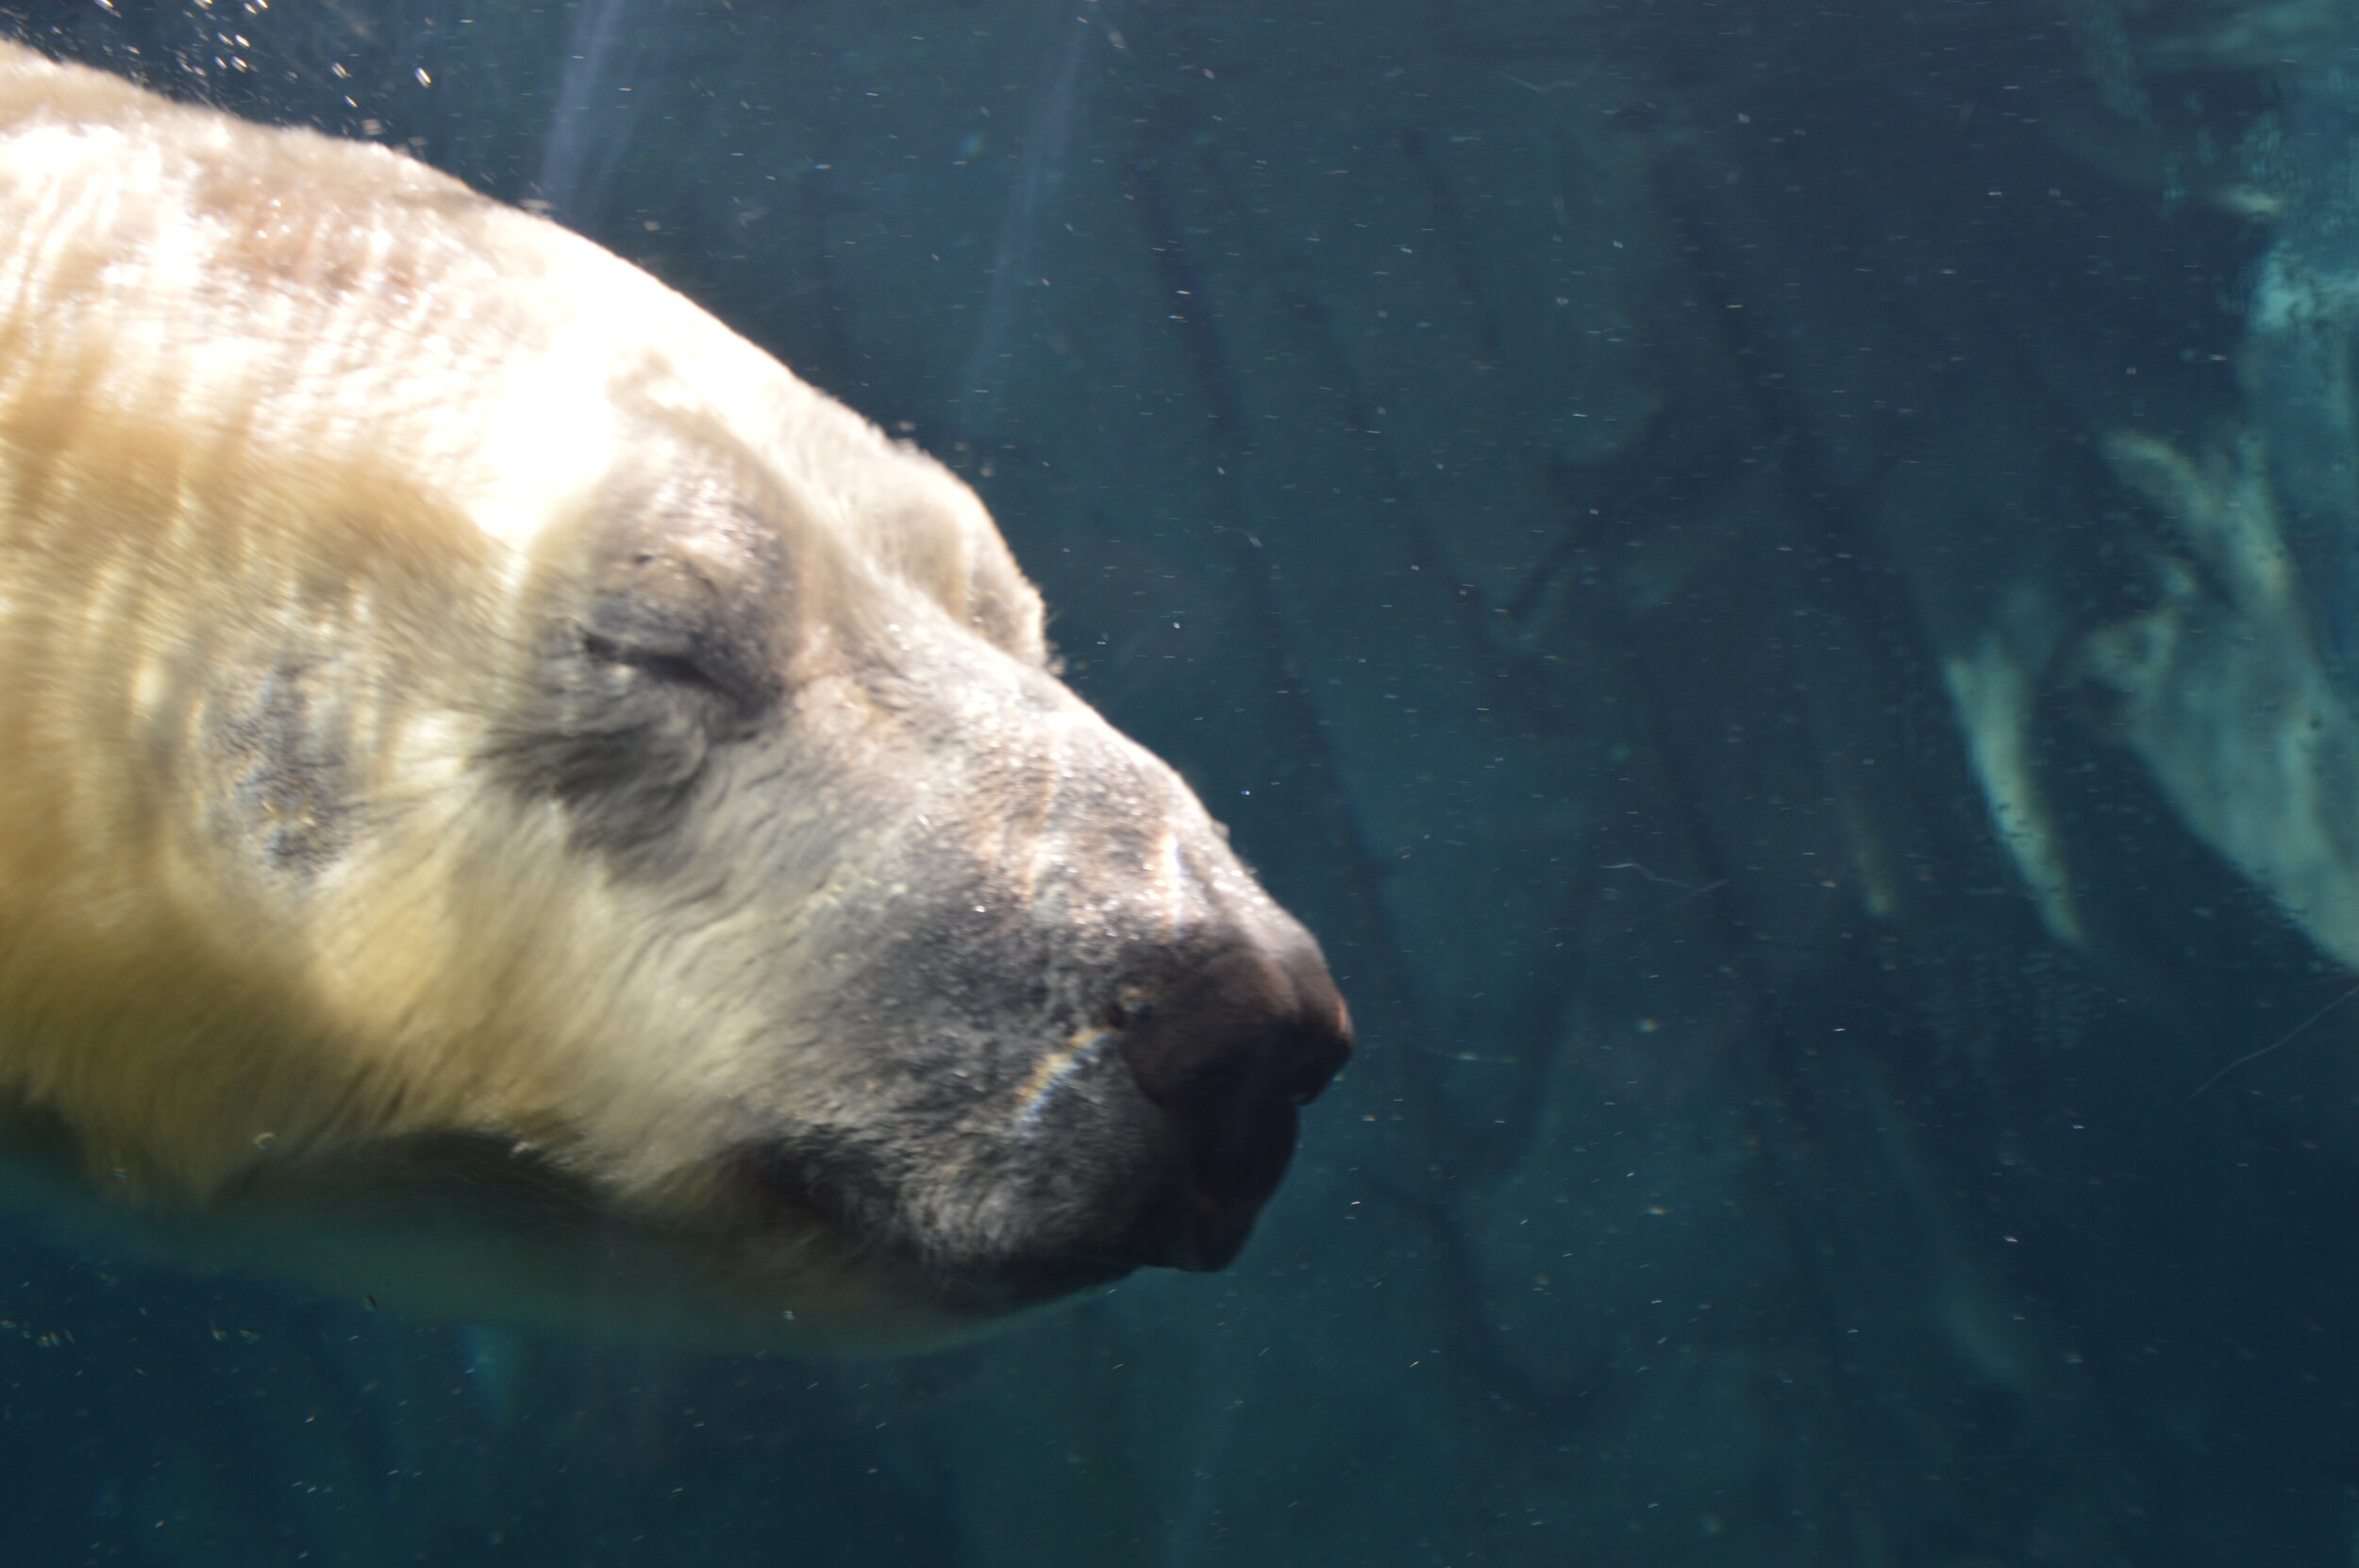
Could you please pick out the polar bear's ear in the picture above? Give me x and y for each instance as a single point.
(919, 522)
(655, 641)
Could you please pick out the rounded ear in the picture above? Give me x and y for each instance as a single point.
(923, 523)
(656, 640)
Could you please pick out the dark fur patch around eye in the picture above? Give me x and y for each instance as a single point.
(656, 648)
(619, 743)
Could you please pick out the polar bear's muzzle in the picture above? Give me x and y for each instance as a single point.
(1151, 1137)
(1227, 1055)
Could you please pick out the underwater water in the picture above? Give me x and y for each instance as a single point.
(1778, 583)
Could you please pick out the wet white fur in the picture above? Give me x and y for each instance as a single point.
(261, 386)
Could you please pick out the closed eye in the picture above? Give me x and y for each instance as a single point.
(676, 668)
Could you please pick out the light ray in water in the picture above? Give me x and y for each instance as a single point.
(595, 112)
(1040, 168)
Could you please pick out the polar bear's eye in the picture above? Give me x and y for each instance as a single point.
(678, 667)
(662, 653)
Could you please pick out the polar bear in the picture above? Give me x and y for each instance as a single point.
(511, 801)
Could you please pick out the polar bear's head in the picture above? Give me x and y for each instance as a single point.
(936, 965)
(510, 797)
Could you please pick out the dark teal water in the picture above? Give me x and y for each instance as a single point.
(1775, 581)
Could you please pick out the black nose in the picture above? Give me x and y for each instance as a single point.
(1227, 1053)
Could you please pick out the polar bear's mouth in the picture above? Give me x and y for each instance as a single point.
(979, 1270)
(1150, 1138)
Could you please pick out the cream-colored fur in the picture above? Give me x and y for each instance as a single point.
(279, 408)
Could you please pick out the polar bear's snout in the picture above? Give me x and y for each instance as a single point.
(1149, 1134)
(1228, 1053)
(1056, 1056)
